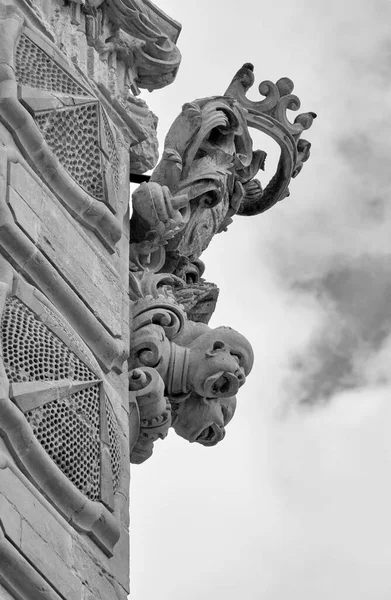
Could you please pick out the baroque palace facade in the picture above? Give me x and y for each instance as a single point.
(105, 342)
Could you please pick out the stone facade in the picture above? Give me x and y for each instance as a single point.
(71, 137)
(104, 338)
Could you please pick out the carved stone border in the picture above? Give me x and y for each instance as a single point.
(91, 212)
(86, 515)
(30, 261)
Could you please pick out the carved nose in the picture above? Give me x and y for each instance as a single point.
(240, 377)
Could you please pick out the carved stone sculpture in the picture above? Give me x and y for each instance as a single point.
(184, 374)
(206, 176)
(104, 336)
(208, 168)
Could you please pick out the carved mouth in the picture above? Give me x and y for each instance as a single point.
(221, 386)
(210, 436)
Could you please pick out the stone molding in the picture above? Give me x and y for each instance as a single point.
(86, 515)
(19, 102)
(139, 35)
(30, 261)
(18, 574)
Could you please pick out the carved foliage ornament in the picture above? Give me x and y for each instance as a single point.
(138, 34)
(208, 168)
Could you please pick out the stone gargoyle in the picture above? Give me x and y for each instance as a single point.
(183, 374)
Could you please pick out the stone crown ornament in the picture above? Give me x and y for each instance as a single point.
(207, 175)
(270, 117)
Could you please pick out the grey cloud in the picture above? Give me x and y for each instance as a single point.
(356, 298)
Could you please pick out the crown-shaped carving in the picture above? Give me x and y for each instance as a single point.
(207, 174)
(270, 116)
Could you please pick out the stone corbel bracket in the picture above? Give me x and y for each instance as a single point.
(23, 107)
(181, 374)
(21, 406)
(143, 39)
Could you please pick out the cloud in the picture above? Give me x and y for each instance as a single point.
(354, 333)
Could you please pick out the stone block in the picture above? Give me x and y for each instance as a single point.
(4, 595)
(38, 517)
(96, 578)
(10, 520)
(49, 564)
(121, 561)
(87, 271)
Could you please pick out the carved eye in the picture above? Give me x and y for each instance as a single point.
(238, 356)
(218, 346)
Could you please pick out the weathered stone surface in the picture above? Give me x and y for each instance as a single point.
(208, 171)
(96, 580)
(28, 508)
(72, 253)
(4, 595)
(11, 521)
(183, 374)
(70, 134)
(41, 555)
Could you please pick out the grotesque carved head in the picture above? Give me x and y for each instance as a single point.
(219, 361)
(203, 420)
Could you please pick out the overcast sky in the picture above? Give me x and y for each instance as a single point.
(295, 502)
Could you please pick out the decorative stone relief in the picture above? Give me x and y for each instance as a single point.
(208, 168)
(56, 413)
(62, 127)
(183, 374)
(139, 35)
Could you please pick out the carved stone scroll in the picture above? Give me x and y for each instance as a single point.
(184, 374)
(206, 175)
(208, 158)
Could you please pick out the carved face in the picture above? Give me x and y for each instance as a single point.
(219, 362)
(202, 420)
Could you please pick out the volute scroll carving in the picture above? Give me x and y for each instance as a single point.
(207, 173)
(206, 176)
(184, 374)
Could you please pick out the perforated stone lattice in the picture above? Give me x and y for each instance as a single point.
(73, 135)
(68, 429)
(31, 352)
(33, 67)
(115, 453)
(113, 154)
